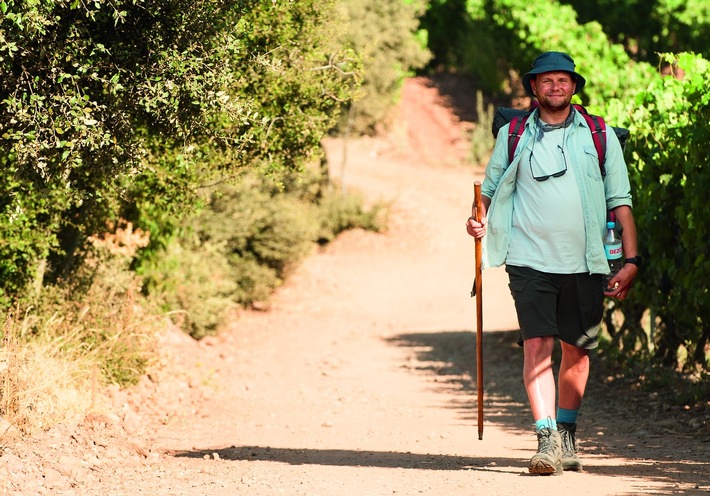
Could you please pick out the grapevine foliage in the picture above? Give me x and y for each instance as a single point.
(671, 177)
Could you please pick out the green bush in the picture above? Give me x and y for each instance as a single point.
(670, 177)
(132, 105)
(83, 84)
(340, 212)
(386, 35)
(194, 287)
(248, 238)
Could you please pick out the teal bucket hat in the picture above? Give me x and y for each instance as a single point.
(551, 62)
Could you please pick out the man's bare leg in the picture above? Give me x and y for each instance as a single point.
(538, 377)
(540, 386)
(574, 373)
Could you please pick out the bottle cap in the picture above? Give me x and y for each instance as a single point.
(610, 225)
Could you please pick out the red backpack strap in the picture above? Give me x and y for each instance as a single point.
(597, 127)
(517, 126)
(580, 108)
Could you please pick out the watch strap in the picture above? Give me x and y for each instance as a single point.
(637, 261)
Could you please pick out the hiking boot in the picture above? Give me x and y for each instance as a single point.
(570, 460)
(547, 460)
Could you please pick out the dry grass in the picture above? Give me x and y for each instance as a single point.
(40, 385)
(58, 354)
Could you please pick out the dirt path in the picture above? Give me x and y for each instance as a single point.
(359, 379)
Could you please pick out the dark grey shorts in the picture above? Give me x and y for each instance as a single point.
(567, 306)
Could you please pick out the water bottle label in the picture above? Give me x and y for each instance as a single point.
(613, 252)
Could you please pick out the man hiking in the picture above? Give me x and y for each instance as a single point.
(546, 210)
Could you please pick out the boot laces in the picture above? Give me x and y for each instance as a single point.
(545, 441)
(569, 441)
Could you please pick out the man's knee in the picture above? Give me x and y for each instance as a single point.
(538, 348)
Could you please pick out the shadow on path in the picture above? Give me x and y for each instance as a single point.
(609, 425)
(667, 474)
(359, 458)
(449, 358)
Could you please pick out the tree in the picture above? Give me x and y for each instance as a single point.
(98, 94)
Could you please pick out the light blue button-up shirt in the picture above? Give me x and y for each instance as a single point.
(597, 194)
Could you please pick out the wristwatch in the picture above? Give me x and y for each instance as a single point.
(637, 260)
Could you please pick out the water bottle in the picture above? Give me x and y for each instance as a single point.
(614, 253)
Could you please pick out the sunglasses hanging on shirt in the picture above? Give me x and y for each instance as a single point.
(542, 128)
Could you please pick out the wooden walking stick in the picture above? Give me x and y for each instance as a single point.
(478, 289)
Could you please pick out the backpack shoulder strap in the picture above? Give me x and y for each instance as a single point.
(517, 125)
(597, 126)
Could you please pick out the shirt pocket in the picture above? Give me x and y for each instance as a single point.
(591, 163)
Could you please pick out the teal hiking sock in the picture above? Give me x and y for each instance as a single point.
(567, 416)
(548, 422)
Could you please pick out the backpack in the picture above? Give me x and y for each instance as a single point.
(518, 118)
